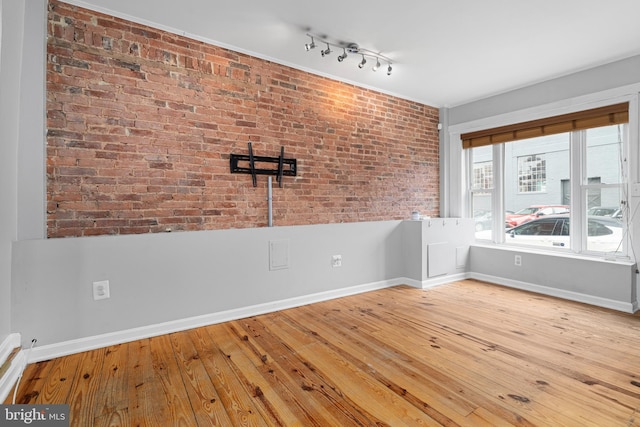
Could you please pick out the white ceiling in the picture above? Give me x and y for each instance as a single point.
(444, 52)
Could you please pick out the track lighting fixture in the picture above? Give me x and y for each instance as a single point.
(309, 46)
(350, 48)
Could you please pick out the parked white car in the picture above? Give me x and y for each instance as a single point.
(603, 234)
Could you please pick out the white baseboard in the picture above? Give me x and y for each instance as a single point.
(50, 351)
(18, 363)
(434, 281)
(6, 347)
(441, 280)
(626, 307)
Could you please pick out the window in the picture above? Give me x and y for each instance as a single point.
(482, 189)
(532, 173)
(483, 175)
(603, 187)
(536, 178)
(559, 190)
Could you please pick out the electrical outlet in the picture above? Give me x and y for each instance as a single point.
(518, 260)
(101, 290)
(336, 261)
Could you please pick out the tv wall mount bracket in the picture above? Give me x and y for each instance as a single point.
(242, 163)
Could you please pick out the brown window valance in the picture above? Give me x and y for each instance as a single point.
(596, 117)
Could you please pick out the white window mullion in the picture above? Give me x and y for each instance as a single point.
(498, 193)
(577, 165)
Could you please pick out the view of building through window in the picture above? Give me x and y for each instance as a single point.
(532, 173)
(538, 178)
(482, 189)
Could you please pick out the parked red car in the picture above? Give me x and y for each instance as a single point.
(533, 212)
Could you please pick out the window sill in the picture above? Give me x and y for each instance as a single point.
(622, 260)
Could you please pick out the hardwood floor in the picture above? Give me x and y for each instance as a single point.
(465, 353)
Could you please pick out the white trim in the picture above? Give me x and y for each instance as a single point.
(18, 363)
(65, 348)
(626, 307)
(442, 280)
(6, 347)
(411, 282)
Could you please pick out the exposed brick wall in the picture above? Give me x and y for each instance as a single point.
(141, 124)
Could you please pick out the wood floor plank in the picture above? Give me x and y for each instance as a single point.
(514, 364)
(324, 400)
(32, 383)
(388, 369)
(462, 354)
(57, 385)
(388, 366)
(279, 377)
(418, 354)
(358, 385)
(519, 390)
(85, 386)
(552, 358)
(276, 409)
(145, 409)
(241, 410)
(170, 393)
(112, 397)
(205, 402)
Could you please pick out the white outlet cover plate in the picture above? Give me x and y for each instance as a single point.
(101, 290)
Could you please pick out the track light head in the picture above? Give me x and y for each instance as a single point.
(309, 46)
(353, 48)
(343, 56)
(375, 67)
(389, 70)
(327, 51)
(361, 64)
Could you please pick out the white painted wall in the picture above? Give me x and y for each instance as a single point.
(599, 79)
(434, 246)
(11, 31)
(158, 279)
(594, 281)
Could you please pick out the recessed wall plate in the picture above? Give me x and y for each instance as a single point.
(278, 254)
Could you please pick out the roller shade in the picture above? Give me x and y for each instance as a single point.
(596, 117)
